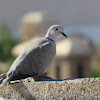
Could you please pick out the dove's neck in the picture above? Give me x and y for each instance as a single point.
(51, 36)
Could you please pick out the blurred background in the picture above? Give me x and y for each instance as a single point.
(22, 21)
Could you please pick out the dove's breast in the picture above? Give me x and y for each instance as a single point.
(44, 59)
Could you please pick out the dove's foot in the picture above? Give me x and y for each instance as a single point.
(42, 78)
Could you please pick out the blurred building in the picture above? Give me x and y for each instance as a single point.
(33, 25)
(74, 54)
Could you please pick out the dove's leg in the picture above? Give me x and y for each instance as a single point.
(41, 77)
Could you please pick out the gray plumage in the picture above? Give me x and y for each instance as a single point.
(36, 59)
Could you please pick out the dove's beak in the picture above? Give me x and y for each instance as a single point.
(64, 34)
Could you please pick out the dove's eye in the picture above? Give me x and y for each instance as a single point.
(56, 28)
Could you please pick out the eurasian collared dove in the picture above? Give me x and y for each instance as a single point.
(36, 58)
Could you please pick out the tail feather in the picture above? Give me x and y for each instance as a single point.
(4, 79)
(2, 75)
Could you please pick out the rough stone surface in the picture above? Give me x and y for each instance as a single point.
(68, 89)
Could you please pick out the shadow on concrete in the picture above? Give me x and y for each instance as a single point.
(25, 95)
(42, 78)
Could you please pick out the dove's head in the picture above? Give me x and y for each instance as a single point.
(55, 31)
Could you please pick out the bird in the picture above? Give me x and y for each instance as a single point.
(36, 58)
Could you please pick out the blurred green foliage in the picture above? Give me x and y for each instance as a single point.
(96, 72)
(6, 44)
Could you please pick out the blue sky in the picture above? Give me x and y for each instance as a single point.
(92, 31)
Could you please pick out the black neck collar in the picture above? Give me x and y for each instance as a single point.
(49, 39)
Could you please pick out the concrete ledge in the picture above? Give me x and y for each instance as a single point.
(77, 89)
